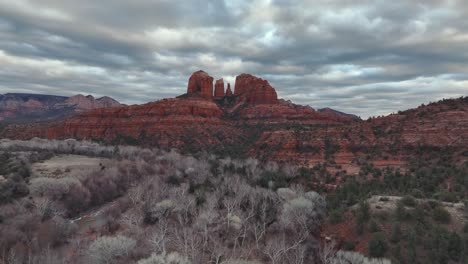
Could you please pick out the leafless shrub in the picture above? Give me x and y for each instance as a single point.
(252, 168)
(10, 236)
(271, 166)
(77, 199)
(171, 258)
(153, 212)
(286, 194)
(135, 194)
(214, 213)
(51, 187)
(55, 231)
(327, 252)
(106, 249)
(239, 261)
(278, 249)
(47, 255)
(289, 171)
(303, 213)
(72, 146)
(47, 209)
(345, 257)
(160, 238)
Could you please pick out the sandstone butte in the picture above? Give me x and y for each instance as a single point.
(253, 121)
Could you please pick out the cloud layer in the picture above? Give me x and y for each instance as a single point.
(371, 58)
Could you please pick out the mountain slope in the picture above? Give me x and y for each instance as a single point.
(24, 108)
(334, 112)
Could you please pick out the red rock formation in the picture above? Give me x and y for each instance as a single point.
(333, 112)
(219, 89)
(279, 131)
(285, 112)
(229, 91)
(170, 123)
(201, 83)
(256, 90)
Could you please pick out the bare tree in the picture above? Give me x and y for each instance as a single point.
(172, 258)
(105, 249)
(327, 252)
(206, 219)
(277, 249)
(160, 238)
(186, 240)
(345, 257)
(135, 194)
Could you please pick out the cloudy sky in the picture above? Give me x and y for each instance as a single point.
(368, 59)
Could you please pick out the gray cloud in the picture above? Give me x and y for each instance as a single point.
(371, 58)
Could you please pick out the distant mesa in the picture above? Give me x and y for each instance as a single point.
(26, 108)
(85, 103)
(252, 89)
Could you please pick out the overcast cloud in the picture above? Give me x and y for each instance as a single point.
(370, 58)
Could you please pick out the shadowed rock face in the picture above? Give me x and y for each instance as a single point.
(219, 89)
(228, 90)
(201, 83)
(255, 90)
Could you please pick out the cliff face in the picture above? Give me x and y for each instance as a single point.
(201, 83)
(219, 89)
(254, 122)
(387, 141)
(169, 123)
(255, 90)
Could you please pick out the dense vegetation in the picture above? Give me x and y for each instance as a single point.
(151, 206)
(419, 229)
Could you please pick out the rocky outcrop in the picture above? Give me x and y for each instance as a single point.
(201, 83)
(228, 90)
(255, 90)
(249, 89)
(219, 89)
